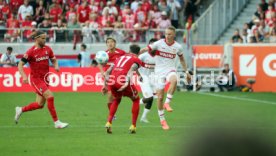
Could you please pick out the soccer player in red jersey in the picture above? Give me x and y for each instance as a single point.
(119, 83)
(113, 54)
(38, 57)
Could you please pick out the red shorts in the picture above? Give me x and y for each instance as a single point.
(40, 86)
(130, 91)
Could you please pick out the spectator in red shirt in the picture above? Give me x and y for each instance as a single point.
(140, 14)
(72, 3)
(13, 31)
(146, 6)
(55, 11)
(15, 4)
(106, 17)
(129, 19)
(270, 16)
(71, 13)
(5, 10)
(27, 25)
(83, 12)
(124, 11)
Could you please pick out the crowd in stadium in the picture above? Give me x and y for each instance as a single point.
(91, 20)
(262, 27)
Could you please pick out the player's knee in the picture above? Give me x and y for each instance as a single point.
(41, 105)
(48, 94)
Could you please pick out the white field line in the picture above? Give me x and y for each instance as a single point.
(239, 98)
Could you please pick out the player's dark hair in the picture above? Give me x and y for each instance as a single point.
(152, 40)
(110, 38)
(9, 48)
(135, 49)
(83, 46)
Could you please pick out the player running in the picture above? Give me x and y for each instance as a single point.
(119, 83)
(38, 57)
(146, 82)
(113, 54)
(165, 70)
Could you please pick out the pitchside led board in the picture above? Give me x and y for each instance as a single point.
(258, 62)
(208, 56)
(67, 80)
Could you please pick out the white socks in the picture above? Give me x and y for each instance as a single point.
(141, 101)
(161, 115)
(169, 98)
(146, 111)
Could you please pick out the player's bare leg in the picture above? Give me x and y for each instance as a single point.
(48, 95)
(171, 90)
(38, 104)
(161, 113)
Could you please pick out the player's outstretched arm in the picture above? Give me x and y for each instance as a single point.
(106, 77)
(21, 71)
(184, 66)
(55, 64)
(101, 69)
(143, 50)
(129, 75)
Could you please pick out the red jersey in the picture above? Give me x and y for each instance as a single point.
(15, 4)
(83, 13)
(38, 58)
(55, 12)
(113, 57)
(123, 65)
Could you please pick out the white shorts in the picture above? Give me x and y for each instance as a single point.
(162, 79)
(147, 87)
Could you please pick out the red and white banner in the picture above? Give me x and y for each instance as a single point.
(258, 62)
(67, 80)
(208, 56)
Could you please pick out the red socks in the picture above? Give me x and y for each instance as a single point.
(113, 109)
(31, 106)
(135, 110)
(51, 108)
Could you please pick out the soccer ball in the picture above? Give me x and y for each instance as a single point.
(101, 57)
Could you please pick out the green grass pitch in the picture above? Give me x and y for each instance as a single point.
(86, 113)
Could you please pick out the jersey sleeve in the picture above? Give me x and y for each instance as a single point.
(51, 54)
(180, 51)
(139, 62)
(28, 55)
(153, 46)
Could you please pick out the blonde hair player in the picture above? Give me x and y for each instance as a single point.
(38, 57)
(165, 70)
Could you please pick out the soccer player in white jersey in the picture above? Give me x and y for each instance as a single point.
(146, 83)
(165, 70)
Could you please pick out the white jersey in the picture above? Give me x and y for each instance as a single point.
(165, 56)
(85, 59)
(149, 62)
(5, 57)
